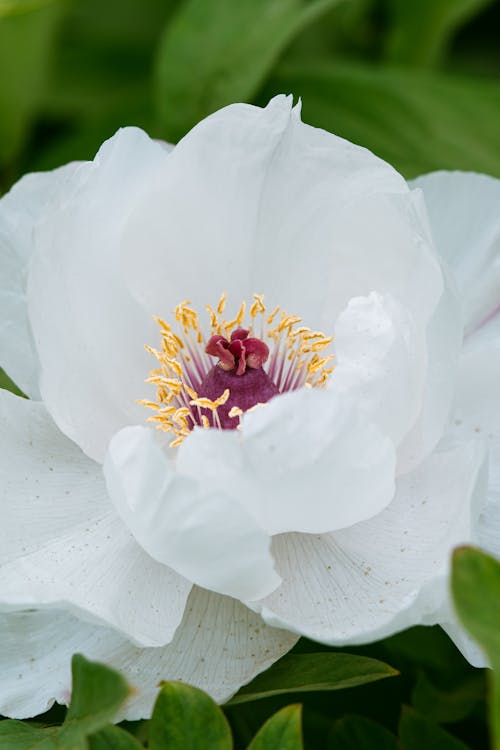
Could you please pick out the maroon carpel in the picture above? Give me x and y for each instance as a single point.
(239, 369)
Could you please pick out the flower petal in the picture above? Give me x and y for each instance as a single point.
(305, 461)
(219, 646)
(477, 406)
(389, 572)
(20, 209)
(201, 534)
(464, 210)
(380, 362)
(444, 334)
(251, 193)
(61, 543)
(89, 332)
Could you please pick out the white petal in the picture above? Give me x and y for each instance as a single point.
(219, 647)
(444, 334)
(89, 332)
(203, 535)
(387, 573)
(380, 362)
(61, 543)
(464, 210)
(306, 461)
(253, 200)
(20, 209)
(477, 413)
(477, 407)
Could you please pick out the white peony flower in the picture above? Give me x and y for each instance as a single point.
(200, 553)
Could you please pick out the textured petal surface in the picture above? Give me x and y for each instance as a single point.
(220, 646)
(204, 535)
(444, 335)
(270, 193)
(380, 362)
(477, 407)
(306, 461)
(89, 332)
(464, 210)
(61, 543)
(387, 573)
(20, 209)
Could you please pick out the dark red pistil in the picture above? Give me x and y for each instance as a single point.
(240, 369)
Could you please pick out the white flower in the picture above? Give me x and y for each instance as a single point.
(332, 510)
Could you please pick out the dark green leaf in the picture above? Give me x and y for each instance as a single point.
(417, 121)
(113, 738)
(421, 31)
(448, 706)
(214, 53)
(307, 672)
(27, 33)
(283, 731)
(416, 732)
(98, 692)
(475, 586)
(359, 733)
(185, 717)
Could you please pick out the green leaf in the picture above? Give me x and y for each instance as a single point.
(185, 717)
(475, 587)
(113, 738)
(8, 384)
(359, 733)
(98, 692)
(283, 731)
(418, 733)
(421, 31)
(307, 672)
(415, 120)
(27, 35)
(448, 706)
(214, 53)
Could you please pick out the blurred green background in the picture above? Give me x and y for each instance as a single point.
(417, 81)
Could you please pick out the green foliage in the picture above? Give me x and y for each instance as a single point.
(417, 732)
(415, 120)
(421, 32)
(308, 672)
(113, 738)
(219, 52)
(27, 34)
(358, 733)
(476, 594)
(283, 730)
(186, 717)
(98, 692)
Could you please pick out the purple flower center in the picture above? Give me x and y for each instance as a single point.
(193, 392)
(239, 370)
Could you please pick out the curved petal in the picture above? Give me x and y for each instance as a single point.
(219, 646)
(387, 573)
(250, 192)
(444, 334)
(201, 534)
(464, 210)
(477, 407)
(89, 332)
(306, 461)
(380, 362)
(20, 209)
(62, 545)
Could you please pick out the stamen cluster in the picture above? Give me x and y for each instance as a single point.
(293, 359)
